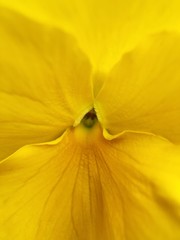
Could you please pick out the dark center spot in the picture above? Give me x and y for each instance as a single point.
(89, 119)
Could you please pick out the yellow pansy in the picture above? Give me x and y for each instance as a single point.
(89, 120)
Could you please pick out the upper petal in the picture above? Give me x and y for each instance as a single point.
(104, 29)
(44, 76)
(142, 92)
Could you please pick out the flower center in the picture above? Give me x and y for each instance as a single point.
(89, 119)
(89, 132)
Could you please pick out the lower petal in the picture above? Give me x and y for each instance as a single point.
(85, 187)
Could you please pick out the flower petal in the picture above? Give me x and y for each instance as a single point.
(43, 79)
(104, 29)
(51, 191)
(142, 92)
(145, 171)
(85, 187)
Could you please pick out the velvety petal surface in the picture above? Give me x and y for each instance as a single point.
(43, 78)
(104, 29)
(82, 186)
(142, 92)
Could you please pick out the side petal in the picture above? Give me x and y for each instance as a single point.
(104, 29)
(142, 92)
(43, 79)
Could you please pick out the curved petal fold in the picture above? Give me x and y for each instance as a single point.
(43, 75)
(142, 92)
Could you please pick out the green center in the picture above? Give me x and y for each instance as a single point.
(89, 119)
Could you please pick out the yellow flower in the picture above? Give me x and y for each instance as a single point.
(89, 120)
